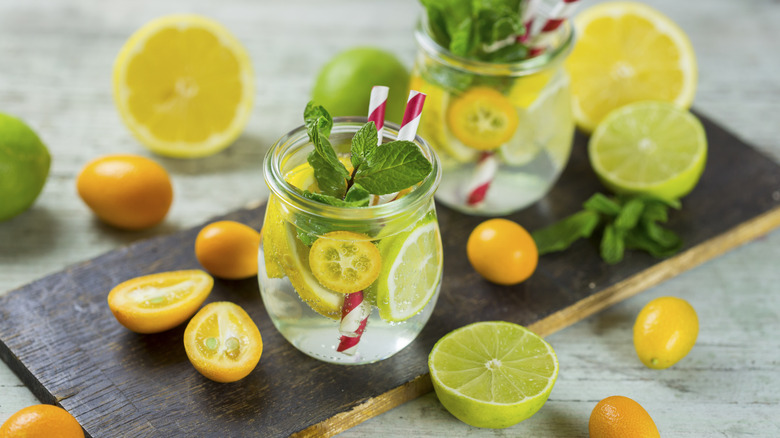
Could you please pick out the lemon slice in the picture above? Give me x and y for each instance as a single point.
(294, 259)
(433, 124)
(412, 271)
(652, 148)
(492, 374)
(628, 52)
(183, 85)
(273, 239)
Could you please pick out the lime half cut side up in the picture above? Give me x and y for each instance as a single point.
(411, 272)
(652, 148)
(492, 374)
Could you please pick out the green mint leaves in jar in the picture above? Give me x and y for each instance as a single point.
(393, 167)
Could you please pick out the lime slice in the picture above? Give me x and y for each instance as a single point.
(492, 374)
(411, 270)
(653, 148)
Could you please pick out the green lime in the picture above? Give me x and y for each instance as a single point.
(344, 84)
(650, 147)
(492, 374)
(411, 271)
(24, 166)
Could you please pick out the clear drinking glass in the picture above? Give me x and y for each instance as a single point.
(526, 105)
(405, 232)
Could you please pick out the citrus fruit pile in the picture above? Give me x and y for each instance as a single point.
(184, 103)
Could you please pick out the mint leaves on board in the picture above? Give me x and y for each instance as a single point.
(478, 29)
(390, 168)
(629, 222)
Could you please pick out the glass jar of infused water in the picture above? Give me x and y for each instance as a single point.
(317, 261)
(503, 131)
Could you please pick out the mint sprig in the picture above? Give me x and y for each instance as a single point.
(627, 222)
(391, 168)
(472, 28)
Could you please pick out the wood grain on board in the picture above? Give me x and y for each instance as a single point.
(59, 336)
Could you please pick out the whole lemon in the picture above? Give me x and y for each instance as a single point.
(24, 166)
(344, 84)
(665, 331)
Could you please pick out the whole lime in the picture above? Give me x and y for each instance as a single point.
(24, 166)
(344, 84)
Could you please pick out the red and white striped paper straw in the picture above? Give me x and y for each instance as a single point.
(483, 175)
(546, 23)
(354, 316)
(376, 108)
(412, 113)
(354, 310)
(408, 130)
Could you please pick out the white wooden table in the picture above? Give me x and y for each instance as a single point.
(55, 73)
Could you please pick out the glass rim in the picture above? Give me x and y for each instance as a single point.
(298, 138)
(512, 69)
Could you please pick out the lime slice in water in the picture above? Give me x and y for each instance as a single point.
(411, 272)
(653, 148)
(492, 374)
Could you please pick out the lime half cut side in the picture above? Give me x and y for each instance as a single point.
(492, 374)
(412, 269)
(653, 148)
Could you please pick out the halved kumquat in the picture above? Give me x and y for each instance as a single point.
(158, 302)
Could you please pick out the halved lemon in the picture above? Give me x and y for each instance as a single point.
(628, 52)
(482, 118)
(183, 85)
(222, 342)
(158, 302)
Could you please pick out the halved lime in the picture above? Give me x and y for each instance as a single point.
(492, 374)
(651, 147)
(411, 270)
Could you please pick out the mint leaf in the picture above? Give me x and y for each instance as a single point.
(601, 204)
(612, 244)
(563, 233)
(364, 144)
(667, 246)
(462, 40)
(358, 195)
(392, 168)
(317, 115)
(332, 200)
(330, 173)
(630, 214)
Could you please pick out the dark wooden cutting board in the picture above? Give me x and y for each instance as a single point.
(59, 336)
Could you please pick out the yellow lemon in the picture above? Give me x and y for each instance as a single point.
(184, 85)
